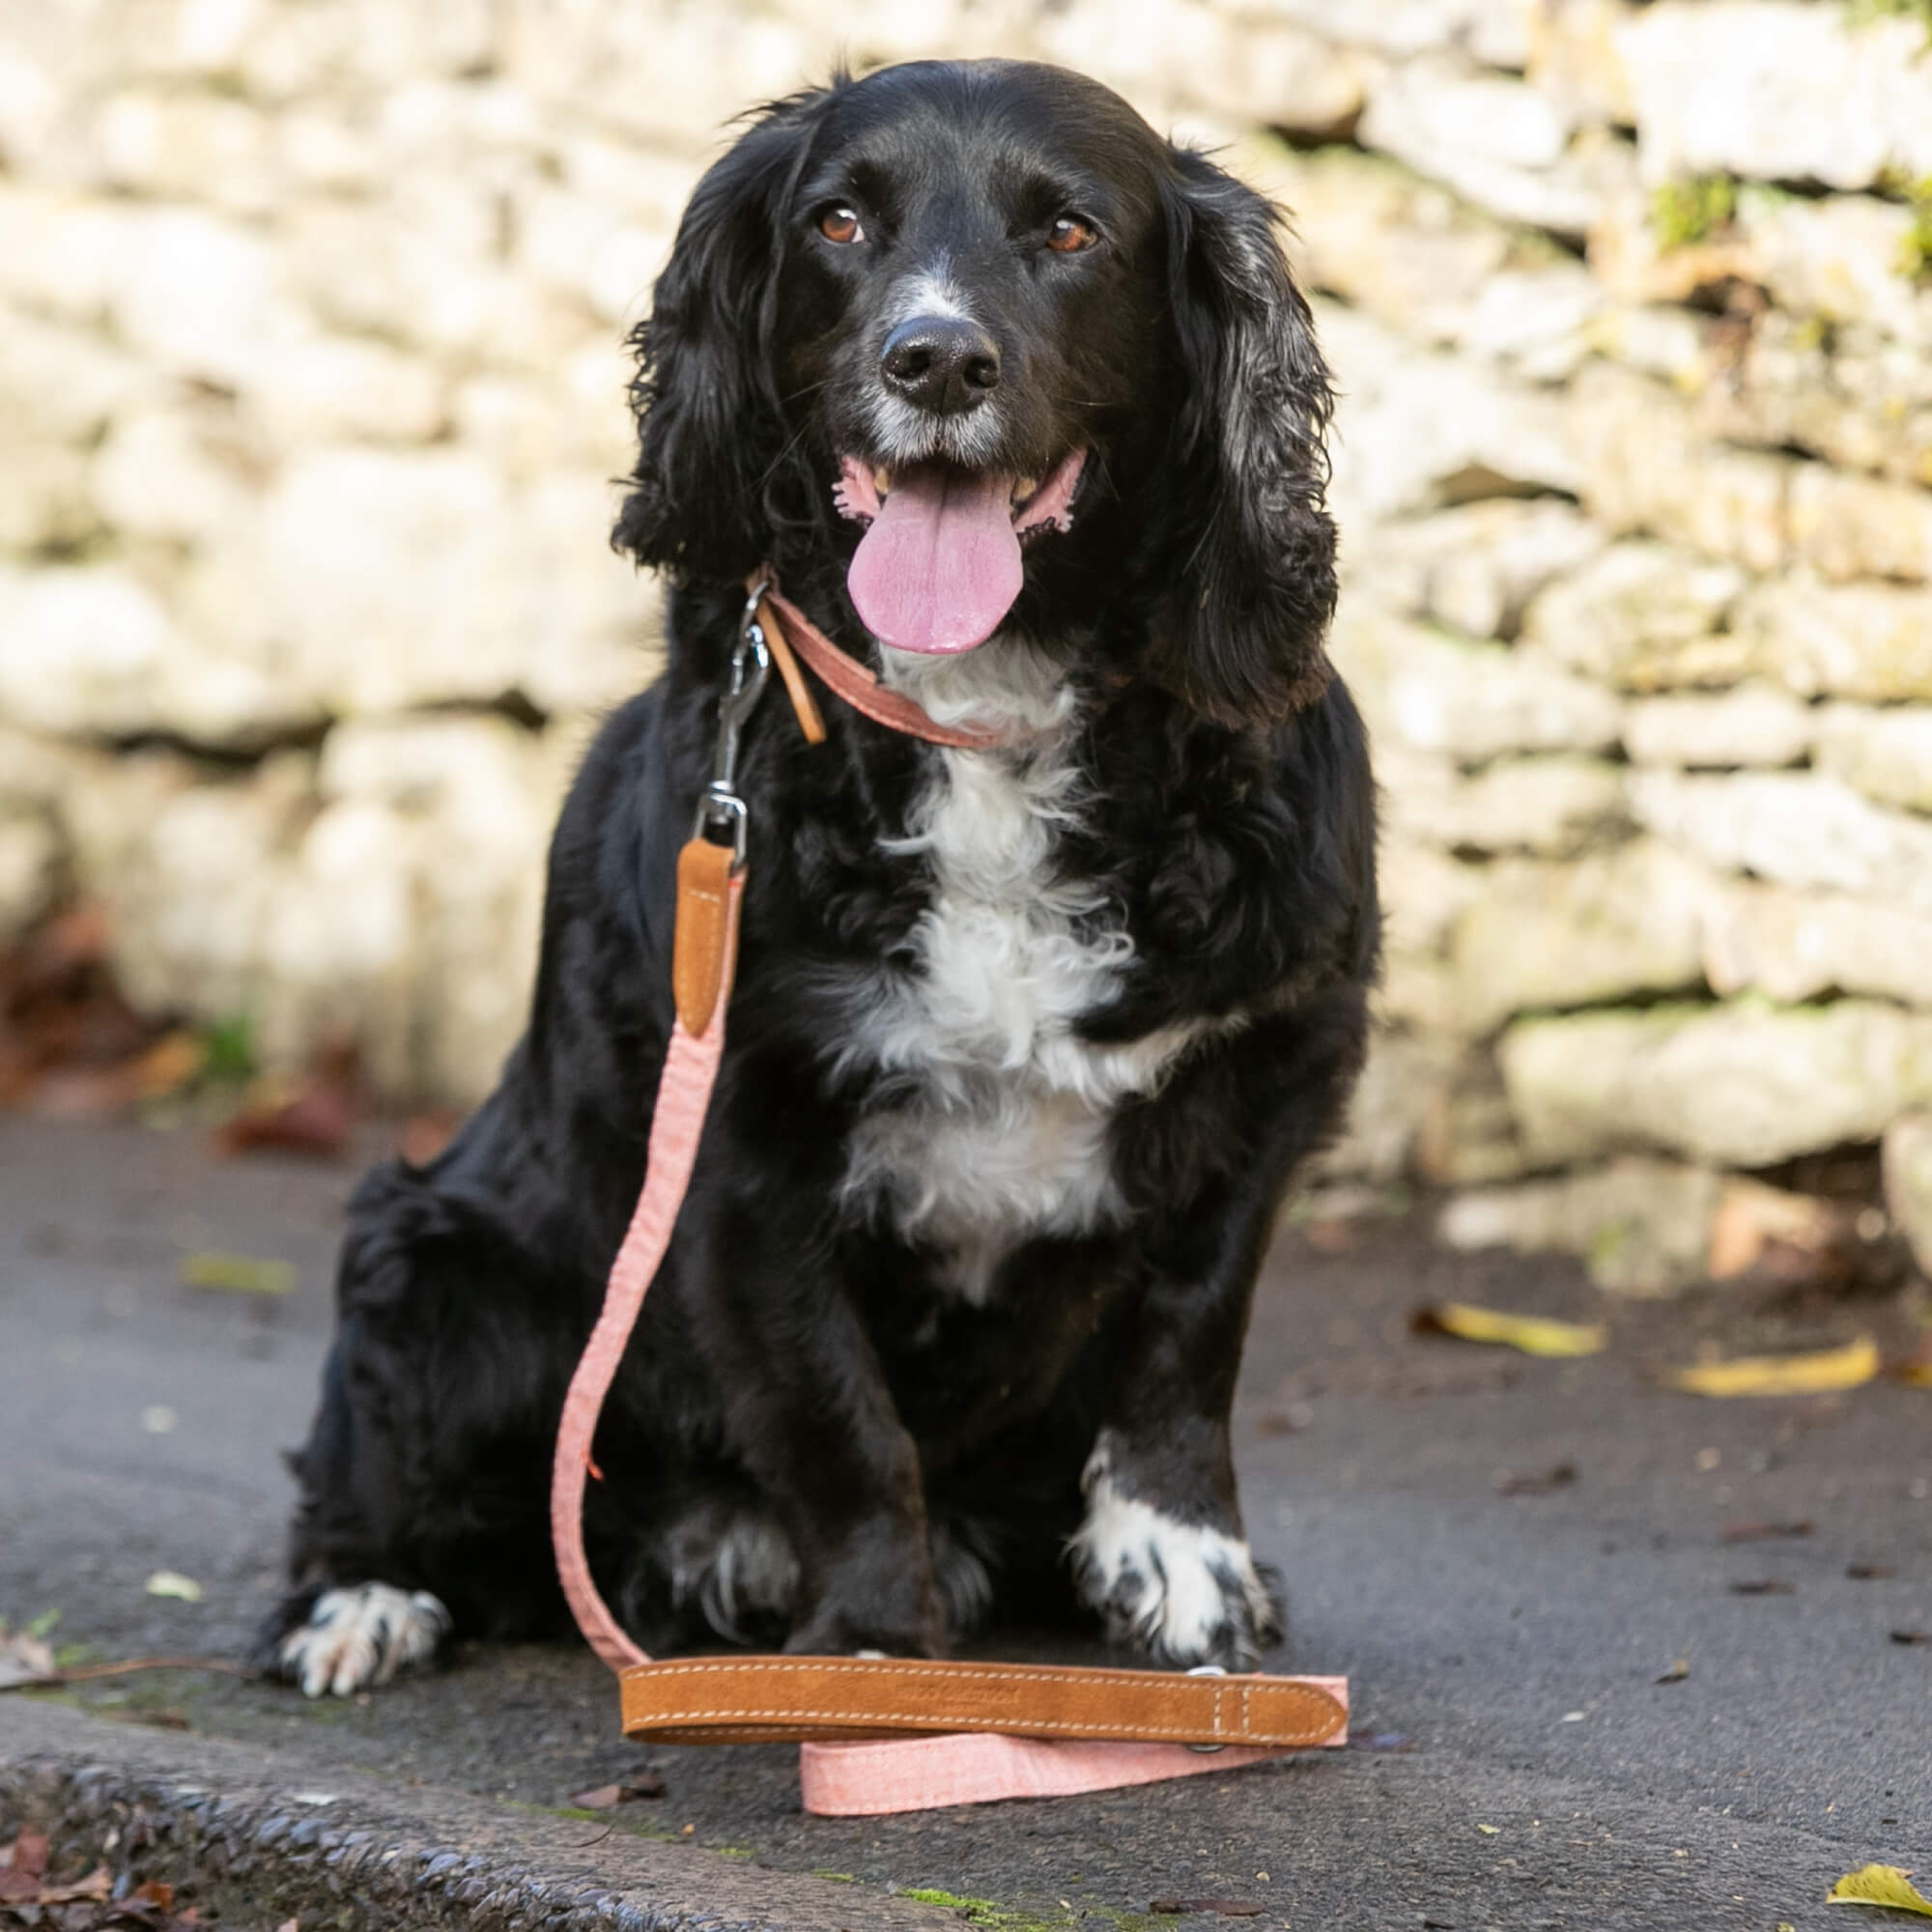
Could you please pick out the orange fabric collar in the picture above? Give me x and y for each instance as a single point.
(788, 630)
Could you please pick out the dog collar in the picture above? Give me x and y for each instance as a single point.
(792, 635)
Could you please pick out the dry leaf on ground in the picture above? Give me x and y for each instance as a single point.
(1677, 1674)
(23, 1658)
(172, 1583)
(1880, 1884)
(1856, 1363)
(1533, 1335)
(1753, 1217)
(605, 1797)
(1534, 1482)
(315, 1119)
(1765, 1532)
(238, 1274)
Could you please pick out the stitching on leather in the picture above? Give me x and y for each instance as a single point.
(971, 1673)
(780, 1717)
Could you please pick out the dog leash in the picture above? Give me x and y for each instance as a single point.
(876, 1734)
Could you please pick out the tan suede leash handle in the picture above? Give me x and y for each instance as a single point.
(877, 1734)
(798, 1699)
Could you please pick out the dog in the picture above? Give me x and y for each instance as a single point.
(1019, 401)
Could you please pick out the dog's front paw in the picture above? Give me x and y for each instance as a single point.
(360, 1636)
(1184, 1592)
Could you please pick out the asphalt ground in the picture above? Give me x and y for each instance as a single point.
(1504, 1625)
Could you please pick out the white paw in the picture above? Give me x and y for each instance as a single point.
(361, 1635)
(1185, 1593)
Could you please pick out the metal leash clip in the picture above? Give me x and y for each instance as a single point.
(750, 666)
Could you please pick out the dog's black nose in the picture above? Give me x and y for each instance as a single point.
(942, 363)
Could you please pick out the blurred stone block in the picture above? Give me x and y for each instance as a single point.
(1741, 1085)
(1642, 616)
(1797, 828)
(1645, 468)
(1475, 568)
(1792, 945)
(1752, 725)
(1868, 640)
(1908, 1183)
(1610, 926)
(1778, 90)
(1642, 1226)
(1886, 755)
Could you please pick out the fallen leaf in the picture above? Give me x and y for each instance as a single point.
(1856, 1363)
(1880, 1884)
(236, 1274)
(28, 1855)
(605, 1797)
(156, 1894)
(175, 1060)
(1489, 1830)
(23, 1658)
(1538, 1482)
(1533, 1335)
(1677, 1674)
(1870, 1573)
(1329, 1237)
(1289, 1421)
(172, 1583)
(1912, 1637)
(315, 1120)
(1765, 1532)
(1752, 1216)
(1228, 1908)
(424, 1136)
(98, 1883)
(1762, 1586)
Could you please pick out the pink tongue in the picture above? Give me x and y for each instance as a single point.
(940, 565)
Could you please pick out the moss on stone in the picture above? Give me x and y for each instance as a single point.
(1692, 210)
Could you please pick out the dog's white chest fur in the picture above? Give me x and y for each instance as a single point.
(997, 1128)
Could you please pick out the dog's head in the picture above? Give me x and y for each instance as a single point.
(978, 333)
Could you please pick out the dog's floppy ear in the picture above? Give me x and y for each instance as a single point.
(1251, 568)
(709, 433)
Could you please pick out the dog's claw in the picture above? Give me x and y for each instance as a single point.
(361, 1635)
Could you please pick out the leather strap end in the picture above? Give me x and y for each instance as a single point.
(804, 706)
(702, 938)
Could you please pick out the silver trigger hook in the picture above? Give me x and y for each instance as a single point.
(750, 667)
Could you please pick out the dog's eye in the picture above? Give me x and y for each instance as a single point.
(839, 224)
(1070, 236)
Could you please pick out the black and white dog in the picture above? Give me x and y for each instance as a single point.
(1020, 403)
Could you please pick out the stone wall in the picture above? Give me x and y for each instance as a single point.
(310, 386)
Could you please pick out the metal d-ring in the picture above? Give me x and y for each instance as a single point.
(1208, 1671)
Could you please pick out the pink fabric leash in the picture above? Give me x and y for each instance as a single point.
(843, 1777)
(684, 1096)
